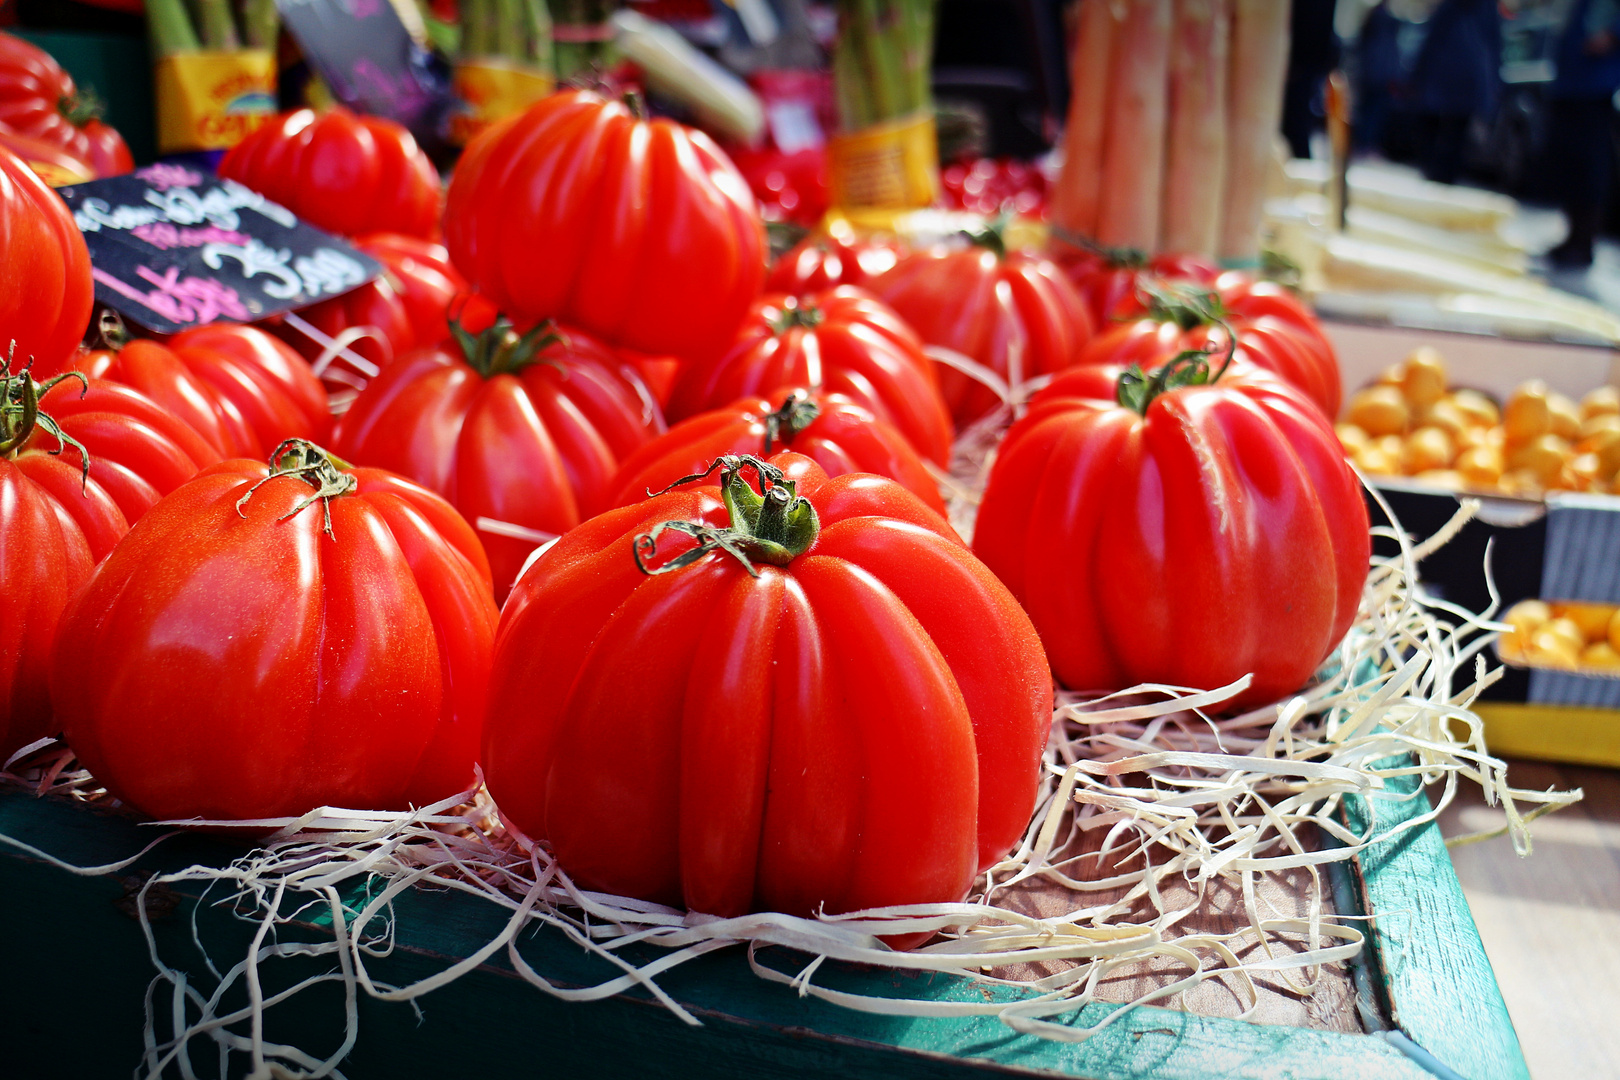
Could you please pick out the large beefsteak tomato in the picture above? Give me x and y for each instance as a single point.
(1201, 532)
(38, 99)
(842, 341)
(640, 232)
(45, 285)
(823, 261)
(522, 434)
(832, 704)
(343, 172)
(266, 642)
(1011, 312)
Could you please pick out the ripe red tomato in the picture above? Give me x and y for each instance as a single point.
(54, 524)
(340, 172)
(1218, 533)
(1274, 331)
(822, 261)
(45, 285)
(843, 341)
(1113, 284)
(55, 165)
(260, 647)
(1011, 312)
(38, 99)
(375, 307)
(848, 713)
(640, 232)
(522, 435)
(830, 429)
(423, 276)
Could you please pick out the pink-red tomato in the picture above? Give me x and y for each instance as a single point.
(823, 261)
(233, 658)
(342, 172)
(421, 273)
(1217, 534)
(843, 341)
(782, 707)
(1117, 286)
(270, 385)
(38, 100)
(45, 285)
(638, 231)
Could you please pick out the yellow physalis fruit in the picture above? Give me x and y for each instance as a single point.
(1614, 629)
(1353, 439)
(1526, 416)
(1588, 471)
(1521, 482)
(1554, 646)
(1543, 457)
(1377, 459)
(1528, 616)
(1378, 410)
(1445, 415)
(1591, 619)
(1604, 401)
(1479, 410)
(1423, 378)
(1450, 479)
(1480, 466)
(1564, 417)
(1601, 656)
(1427, 448)
(1600, 435)
(1393, 375)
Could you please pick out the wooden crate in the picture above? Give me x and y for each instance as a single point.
(79, 970)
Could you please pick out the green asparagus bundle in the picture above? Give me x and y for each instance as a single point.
(881, 60)
(182, 26)
(583, 36)
(515, 30)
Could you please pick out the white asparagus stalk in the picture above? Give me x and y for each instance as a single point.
(1259, 53)
(1195, 149)
(1079, 186)
(1133, 155)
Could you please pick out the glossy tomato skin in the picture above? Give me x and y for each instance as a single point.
(421, 273)
(843, 438)
(537, 449)
(821, 262)
(640, 232)
(1015, 314)
(36, 98)
(1113, 290)
(240, 664)
(45, 285)
(1219, 535)
(109, 153)
(342, 172)
(842, 341)
(154, 370)
(268, 383)
(788, 715)
(375, 306)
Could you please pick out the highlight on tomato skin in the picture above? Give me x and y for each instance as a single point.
(269, 640)
(837, 705)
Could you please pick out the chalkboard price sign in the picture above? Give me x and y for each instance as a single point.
(171, 248)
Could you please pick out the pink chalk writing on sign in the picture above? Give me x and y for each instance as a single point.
(364, 9)
(164, 236)
(191, 300)
(163, 177)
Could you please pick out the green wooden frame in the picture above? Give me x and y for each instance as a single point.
(87, 972)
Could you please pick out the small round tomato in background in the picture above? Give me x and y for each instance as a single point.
(522, 433)
(45, 287)
(345, 173)
(1189, 532)
(38, 100)
(830, 429)
(267, 641)
(1011, 312)
(836, 706)
(842, 341)
(421, 273)
(822, 261)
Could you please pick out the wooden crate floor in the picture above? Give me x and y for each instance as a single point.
(1551, 923)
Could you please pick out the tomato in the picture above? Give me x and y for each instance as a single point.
(1113, 283)
(1011, 312)
(522, 435)
(638, 231)
(849, 712)
(53, 164)
(820, 262)
(54, 524)
(830, 429)
(371, 322)
(1215, 533)
(270, 385)
(264, 643)
(1274, 331)
(341, 172)
(45, 285)
(843, 341)
(423, 276)
(38, 100)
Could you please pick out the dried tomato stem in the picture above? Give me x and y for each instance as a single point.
(797, 312)
(798, 412)
(20, 415)
(317, 468)
(501, 350)
(774, 524)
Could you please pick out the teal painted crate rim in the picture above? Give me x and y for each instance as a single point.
(1439, 987)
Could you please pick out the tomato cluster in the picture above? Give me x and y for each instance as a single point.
(442, 520)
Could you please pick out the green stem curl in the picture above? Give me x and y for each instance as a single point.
(774, 524)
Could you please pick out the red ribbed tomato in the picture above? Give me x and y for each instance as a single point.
(38, 99)
(45, 285)
(843, 341)
(830, 429)
(1011, 312)
(340, 172)
(259, 647)
(1274, 331)
(823, 261)
(522, 435)
(376, 308)
(1213, 532)
(845, 710)
(640, 232)
(421, 273)
(1113, 284)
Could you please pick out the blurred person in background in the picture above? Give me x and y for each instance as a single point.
(1455, 78)
(1580, 152)
(1380, 75)
(1313, 53)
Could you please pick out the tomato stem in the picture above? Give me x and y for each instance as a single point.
(20, 415)
(774, 524)
(501, 350)
(315, 467)
(1117, 258)
(796, 311)
(798, 412)
(993, 236)
(1137, 389)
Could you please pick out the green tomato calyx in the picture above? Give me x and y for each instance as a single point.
(795, 311)
(1138, 389)
(320, 470)
(798, 412)
(1187, 307)
(20, 415)
(771, 524)
(501, 350)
